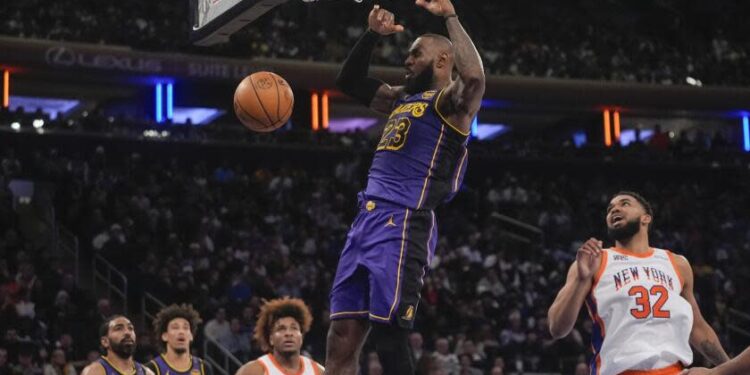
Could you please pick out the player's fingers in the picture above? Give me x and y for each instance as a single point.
(585, 251)
(398, 28)
(388, 18)
(592, 251)
(593, 243)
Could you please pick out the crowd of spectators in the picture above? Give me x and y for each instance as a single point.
(225, 233)
(47, 321)
(662, 42)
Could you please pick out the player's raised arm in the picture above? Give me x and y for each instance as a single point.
(462, 98)
(353, 80)
(563, 313)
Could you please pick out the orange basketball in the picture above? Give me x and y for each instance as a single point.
(263, 101)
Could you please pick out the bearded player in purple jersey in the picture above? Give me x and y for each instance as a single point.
(117, 338)
(419, 163)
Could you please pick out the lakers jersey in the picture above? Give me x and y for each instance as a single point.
(421, 158)
(272, 367)
(640, 320)
(110, 369)
(161, 366)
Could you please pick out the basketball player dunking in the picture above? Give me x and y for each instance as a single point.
(418, 164)
(117, 338)
(282, 324)
(639, 298)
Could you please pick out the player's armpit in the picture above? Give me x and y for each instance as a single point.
(384, 98)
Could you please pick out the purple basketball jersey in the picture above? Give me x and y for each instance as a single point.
(420, 160)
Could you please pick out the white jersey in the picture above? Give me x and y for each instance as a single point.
(272, 367)
(640, 320)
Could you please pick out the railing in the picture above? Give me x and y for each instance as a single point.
(518, 230)
(114, 281)
(739, 322)
(68, 243)
(222, 361)
(147, 313)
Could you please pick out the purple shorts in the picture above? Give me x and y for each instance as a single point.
(380, 271)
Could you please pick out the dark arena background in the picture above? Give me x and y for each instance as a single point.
(127, 182)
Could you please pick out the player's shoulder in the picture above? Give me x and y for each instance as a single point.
(252, 368)
(320, 367)
(678, 259)
(94, 368)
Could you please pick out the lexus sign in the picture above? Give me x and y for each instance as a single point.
(61, 56)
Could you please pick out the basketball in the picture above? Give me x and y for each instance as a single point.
(263, 101)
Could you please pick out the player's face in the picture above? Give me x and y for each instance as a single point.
(178, 335)
(120, 338)
(419, 66)
(621, 209)
(625, 216)
(286, 336)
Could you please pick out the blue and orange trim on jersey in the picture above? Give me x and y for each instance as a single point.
(597, 330)
(674, 369)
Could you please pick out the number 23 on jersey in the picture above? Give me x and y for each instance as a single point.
(394, 134)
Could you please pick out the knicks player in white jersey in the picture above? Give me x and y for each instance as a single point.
(640, 299)
(280, 329)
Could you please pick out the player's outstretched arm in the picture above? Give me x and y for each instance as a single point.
(353, 80)
(739, 365)
(564, 311)
(702, 336)
(462, 98)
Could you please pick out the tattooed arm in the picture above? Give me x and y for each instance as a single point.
(702, 337)
(463, 96)
(737, 366)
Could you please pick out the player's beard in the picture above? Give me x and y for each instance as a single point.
(626, 231)
(123, 350)
(421, 82)
(180, 351)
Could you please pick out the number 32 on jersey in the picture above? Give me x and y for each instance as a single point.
(643, 300)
